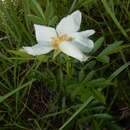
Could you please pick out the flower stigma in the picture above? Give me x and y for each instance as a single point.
(56, 41)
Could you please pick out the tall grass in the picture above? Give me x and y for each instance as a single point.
(56, 94)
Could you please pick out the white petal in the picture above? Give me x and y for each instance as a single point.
(44, 33)
(85, 44)
(70, 23)
(87, 33)
(38, 49)
(71, 50)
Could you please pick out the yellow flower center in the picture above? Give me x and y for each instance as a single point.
(58, 40)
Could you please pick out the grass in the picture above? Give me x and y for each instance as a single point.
(60, 93)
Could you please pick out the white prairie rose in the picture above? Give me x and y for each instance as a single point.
(65, 38)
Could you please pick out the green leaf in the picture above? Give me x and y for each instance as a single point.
(98, 44)
(42, 58)
(80, 91)
(114, 127)
(103, 59)
(53, 21)
(35, 19)
(38, 10)
(99, 83)
(20, 53)
(101, 116)
(110, 49)
(89, 76)
(81, 75)
(118, 71)
(99, 96)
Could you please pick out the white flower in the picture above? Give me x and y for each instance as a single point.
(65, 38)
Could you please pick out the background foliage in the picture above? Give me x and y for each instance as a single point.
(43, 93)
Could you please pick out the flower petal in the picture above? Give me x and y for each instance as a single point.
(85, 44)
(70, 49)
(70, 23)
(44, 33)
(87, 33)
(38, 49)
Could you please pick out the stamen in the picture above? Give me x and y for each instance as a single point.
(58, 40)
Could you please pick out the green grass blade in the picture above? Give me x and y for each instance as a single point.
(112, 15)
(2, 98)
(118, 71)
(76, 113)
